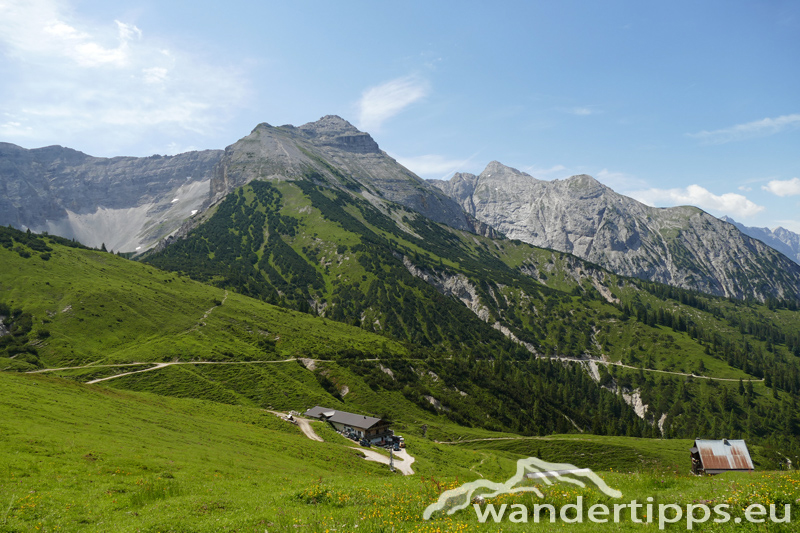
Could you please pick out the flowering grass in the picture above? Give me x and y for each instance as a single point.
(91, 458)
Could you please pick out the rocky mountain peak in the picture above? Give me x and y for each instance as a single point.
(496, 169)
(783, 240)
(330, 125)
(336, 132)
(584, 186)
(584, 180)
(462, 178)
(681, 246)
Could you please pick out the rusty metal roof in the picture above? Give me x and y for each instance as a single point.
(724, 455)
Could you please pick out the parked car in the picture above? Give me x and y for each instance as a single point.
(365, 442)
(396, 447)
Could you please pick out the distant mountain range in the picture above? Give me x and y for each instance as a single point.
(783, 240)
(318, 219)
(123, 202)
(680, 246)
(132, 204)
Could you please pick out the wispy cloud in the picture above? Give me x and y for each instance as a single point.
(581, 111)
(791, 225)
(67, 79)
(384, 101)
(619, 181)
(436, 166)
(547, 173)
(757, 128)
(728, 203)
(783, 187)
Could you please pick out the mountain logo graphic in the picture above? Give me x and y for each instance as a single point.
(531, 468)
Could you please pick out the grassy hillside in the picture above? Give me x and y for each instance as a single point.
(203, 455)
(93, 307)
(77, 457)
(84, 306)
(307, 245)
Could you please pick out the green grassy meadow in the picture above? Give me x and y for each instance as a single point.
(191, 446)
(99, 308)
(91, 458)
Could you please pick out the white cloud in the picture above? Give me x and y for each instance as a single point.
(435, 166)
(384, 101)
(728, 203)
(757, 128)
(554, 172)
(68, 80)
(791, 225)
(37, 28)
(154, 74)
(783, 187)
(174, 148)
(745, 188)
(581, 111)
(430, 164)
(619, 181)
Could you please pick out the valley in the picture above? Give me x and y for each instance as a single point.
(138, 389)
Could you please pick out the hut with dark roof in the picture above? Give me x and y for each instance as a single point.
(367, 427)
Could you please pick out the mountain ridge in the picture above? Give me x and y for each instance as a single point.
(133, 204)
(330, 148)
(122, 202)
(681, 246)
(781, 239)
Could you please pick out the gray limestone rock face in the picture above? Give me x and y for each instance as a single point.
(333, 149)
(680, 246)
(124, 202)
(133, 203)
(785, 241)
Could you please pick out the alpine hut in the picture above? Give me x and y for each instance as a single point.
(718, 456)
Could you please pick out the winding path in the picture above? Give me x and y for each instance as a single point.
(162, 365)
(303, 424)
(156, 366)
(610, 363)
(402, 460)
(306, 362)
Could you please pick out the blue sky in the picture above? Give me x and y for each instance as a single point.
(670, 102)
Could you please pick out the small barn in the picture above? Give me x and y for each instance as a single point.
(718, 456)
(367, 427)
